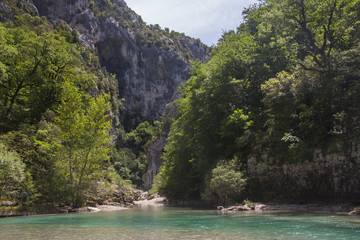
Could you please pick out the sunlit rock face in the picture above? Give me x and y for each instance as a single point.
(148, 74)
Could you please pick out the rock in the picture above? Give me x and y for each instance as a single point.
(93, 209)
(243, 208)
(159, 201)
(232, 208)
(111, 208)
(356, 211)
(154, 154)
(148, 74)
(325, 174)
(152, 196)
(261, 207)
(140, 195)
(251, 206)
(5, 11)
(9, 204)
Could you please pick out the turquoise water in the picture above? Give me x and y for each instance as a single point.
(181, 223)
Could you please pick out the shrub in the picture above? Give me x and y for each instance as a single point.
(11, 172)
(225, 186)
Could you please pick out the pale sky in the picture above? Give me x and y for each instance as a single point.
(204, 19)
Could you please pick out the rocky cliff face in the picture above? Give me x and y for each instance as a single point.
(154, 154)
(326, 176)
(150, 63)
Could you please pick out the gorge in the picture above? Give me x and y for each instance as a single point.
(94, 101)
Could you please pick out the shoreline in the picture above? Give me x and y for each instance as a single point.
(64, 210)
(345, 208)
(43, 210)
(340, 208)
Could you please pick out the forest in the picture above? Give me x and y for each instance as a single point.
(282, 87)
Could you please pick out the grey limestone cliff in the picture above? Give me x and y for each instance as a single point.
(327, 175)
(154, 154)
(150, 63)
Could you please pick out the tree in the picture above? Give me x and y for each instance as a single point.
(226, 185)
(276, 86)
(320, 27)
(12, 172)
(34, 62)
(83, 138)
(82, 144)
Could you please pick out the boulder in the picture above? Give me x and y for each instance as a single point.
(260, 207)
(356, 211)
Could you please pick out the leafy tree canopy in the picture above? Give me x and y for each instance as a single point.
(282, 84)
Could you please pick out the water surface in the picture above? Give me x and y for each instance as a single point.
(182, 223)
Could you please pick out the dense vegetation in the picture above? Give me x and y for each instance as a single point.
(55, 121)
(61, 140)
(284, 83)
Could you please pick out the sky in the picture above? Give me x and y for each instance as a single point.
(204, 19)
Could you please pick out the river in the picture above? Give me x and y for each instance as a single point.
(182, 223)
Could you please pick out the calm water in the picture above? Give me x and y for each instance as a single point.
(181, 223)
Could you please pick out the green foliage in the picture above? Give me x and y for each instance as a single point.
(284, 83)
(29, 191)
(34, 63)
(130, 166)
(48, 115)
(226, 185)
(206, 129)
(82, 146)
(139, 137)
(129, 159)
(11, 173)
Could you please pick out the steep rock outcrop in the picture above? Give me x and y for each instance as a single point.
(150, 63)
(154, 154)
(10, 8)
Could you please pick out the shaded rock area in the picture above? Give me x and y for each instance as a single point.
(327, 175)
(148, 73)
(154, 154)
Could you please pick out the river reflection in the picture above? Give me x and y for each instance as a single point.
(181, 223)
